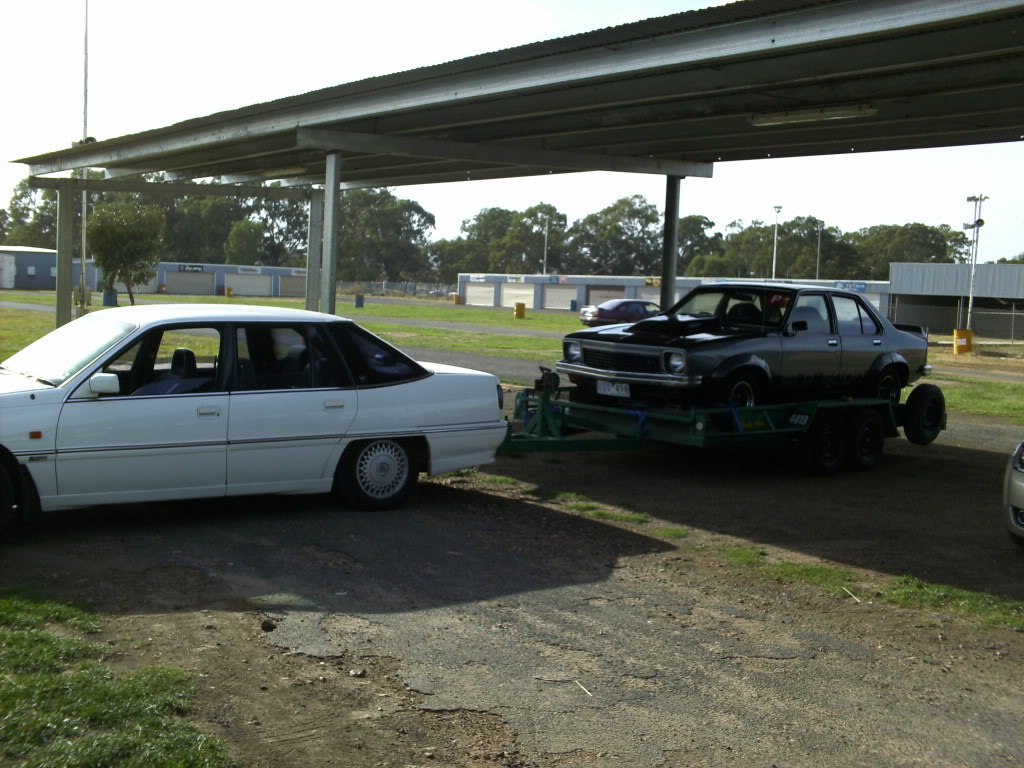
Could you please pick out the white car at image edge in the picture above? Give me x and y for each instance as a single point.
(163, 402)
(1013, 496)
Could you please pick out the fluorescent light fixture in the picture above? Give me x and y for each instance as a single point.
(280, 173)
(816, 115)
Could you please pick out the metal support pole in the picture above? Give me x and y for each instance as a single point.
(1013, 320)
(314, 249)
(65, 233)
(83, 298)
(332, 219)
(670, 243)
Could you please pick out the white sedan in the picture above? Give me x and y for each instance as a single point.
(1013, 495)
(162, 402)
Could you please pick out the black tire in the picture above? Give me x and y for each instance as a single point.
(865, 439)
(738, 389)
(823, 446)
(8, 510)
(924, 414)
(377, 474)
(887, 385)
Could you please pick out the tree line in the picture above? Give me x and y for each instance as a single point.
(384, 237)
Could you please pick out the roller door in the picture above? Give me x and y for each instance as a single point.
(293, 286)
(559, 296)
(149, 287)
(480, 294)
(249, 285)
(599, 295)
(515, 293)
(191, 283)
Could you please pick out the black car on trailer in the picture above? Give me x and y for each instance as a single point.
(745, 344)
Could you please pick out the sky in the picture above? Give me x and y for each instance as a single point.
(158, 62)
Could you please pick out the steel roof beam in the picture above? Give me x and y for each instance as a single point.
(181, 190)
(493, 153)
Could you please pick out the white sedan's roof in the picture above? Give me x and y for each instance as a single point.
(147, 314)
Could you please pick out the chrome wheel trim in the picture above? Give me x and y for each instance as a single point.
(889, 388)
(382, 469)
(741, 394)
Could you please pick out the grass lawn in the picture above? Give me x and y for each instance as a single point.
(63, 706)
(497, 317)
(1000, 399)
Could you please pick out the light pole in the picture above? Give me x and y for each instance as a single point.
(547, 223)
(817, 266)
(775, 247)
(976, 225)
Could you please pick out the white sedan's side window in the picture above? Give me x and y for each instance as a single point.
(169, 361)
(274, 357)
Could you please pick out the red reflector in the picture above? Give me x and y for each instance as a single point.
(35, 435)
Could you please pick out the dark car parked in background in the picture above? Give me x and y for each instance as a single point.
(618, 311)
(744, 344)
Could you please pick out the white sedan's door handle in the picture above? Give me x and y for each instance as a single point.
(208, 413)
(833, 342)
(334, 405)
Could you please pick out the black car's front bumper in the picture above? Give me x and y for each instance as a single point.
(629, 377)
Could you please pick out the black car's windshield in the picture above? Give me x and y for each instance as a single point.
(737, 305)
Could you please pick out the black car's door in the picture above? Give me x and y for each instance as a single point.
(811, 355)
(861, 340)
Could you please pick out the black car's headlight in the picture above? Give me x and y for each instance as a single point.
(1018, 458)
(573, 353)
(675, 362)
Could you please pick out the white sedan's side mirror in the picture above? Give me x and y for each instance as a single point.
(104, 384)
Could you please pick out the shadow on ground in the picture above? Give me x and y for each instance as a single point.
(446, 546)
(933, 512)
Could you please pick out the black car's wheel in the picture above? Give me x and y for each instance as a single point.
(8, 511)
(923, 414)
(887, 385)
(824, 443)
(739, 390)
(377, 474)
(866, 439)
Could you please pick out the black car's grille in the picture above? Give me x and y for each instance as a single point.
(619, 361)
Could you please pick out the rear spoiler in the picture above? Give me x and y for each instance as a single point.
(919, 330)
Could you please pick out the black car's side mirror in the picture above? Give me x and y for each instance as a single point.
(796, 326)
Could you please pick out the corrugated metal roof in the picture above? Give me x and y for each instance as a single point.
(996, 281)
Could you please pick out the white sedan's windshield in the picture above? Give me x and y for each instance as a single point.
(62, 353)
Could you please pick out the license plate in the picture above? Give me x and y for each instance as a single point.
(613, 388)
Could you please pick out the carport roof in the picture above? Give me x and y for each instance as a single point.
(671, 95)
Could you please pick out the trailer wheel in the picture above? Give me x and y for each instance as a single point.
(824, 443)
(923, 414)
(866, 439)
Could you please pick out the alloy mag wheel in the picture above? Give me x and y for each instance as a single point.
(382, 470)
